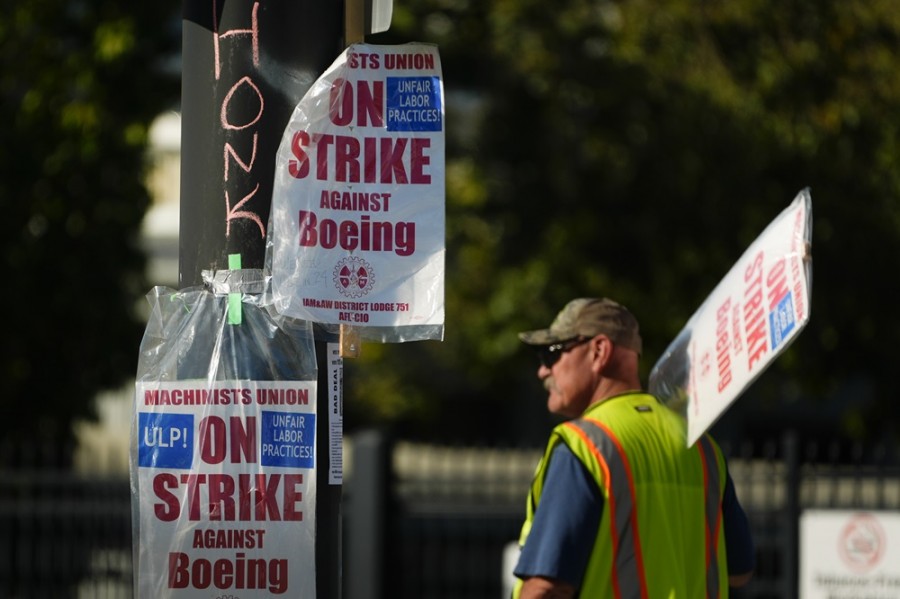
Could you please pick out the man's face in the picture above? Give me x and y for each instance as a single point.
(570, 380)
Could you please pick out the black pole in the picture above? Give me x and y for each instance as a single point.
(790, 442)
(245, 66)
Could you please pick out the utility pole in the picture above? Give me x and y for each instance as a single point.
(246, 64)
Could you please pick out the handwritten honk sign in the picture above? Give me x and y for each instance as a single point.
(357, 220)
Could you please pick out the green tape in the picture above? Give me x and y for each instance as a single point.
(235, 312)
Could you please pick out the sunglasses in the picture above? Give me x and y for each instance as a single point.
(550, 354)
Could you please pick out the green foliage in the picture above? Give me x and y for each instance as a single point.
(634, 150)
(79, 84)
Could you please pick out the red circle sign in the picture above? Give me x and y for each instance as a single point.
(862, 543)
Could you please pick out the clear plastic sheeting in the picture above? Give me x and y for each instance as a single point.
(750, 318)
(187, 336)
(223, 445)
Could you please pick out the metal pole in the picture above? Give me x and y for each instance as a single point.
(366, 506)
(246, 64)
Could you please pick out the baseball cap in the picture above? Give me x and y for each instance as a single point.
(588, 317)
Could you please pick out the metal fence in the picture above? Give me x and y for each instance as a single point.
(422, 521)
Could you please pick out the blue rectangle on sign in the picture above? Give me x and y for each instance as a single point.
(165, 440)
(288, 440)
(781, 320)
(414, 104)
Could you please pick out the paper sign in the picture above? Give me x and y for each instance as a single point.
(226, 489)
(335, 414)
(754, 313)
(849, 554)
(357, 231)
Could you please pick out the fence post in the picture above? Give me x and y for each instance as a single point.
(790, 445)
(366, 513)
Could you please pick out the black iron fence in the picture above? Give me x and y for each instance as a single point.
(423, 522)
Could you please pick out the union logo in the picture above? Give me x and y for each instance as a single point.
(862, 543)
(353, 277)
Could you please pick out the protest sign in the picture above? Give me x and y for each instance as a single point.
(223, 458)
(356, 234)
(226, 501)
(751, 317)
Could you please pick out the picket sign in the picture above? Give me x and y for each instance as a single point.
(749, 319)
(356, 234)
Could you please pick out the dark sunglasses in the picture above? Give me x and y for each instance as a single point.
(550, 354)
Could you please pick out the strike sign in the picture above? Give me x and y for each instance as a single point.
(753, 314)
(357, 221)
(225, 489)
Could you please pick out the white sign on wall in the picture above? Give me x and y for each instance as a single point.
(849, 554)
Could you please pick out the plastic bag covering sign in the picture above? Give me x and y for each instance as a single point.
(226, 489)
(753, 314)
(357, 231)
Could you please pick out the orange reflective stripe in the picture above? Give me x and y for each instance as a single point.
(628, 561)
(711, 484)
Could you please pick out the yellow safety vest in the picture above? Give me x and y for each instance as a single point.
(660, 535)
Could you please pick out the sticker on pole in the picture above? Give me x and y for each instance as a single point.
(752, 316)
(356, 236)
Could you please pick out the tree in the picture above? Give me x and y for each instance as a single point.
(79, 84)
(634, 150)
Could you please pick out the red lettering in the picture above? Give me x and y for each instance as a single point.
(756, 342)
(293, 497)
(178, 574)
(308, 235)
(364, 235)
(362, 60)
(243, 440)
(240, 572)
(266, 499)
(213, 440)
(754, 268)
(386, 160)
(169, 509)
(370, 105)
(340, 102)
(215, 435)
(346, 159)
(368, 101)
(299, 168)
(723, 356)
(392, 169)
(419, 160)
(754, 316)
(221, 497)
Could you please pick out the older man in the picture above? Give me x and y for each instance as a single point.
(620, 506)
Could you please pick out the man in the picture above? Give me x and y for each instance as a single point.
(620, 506)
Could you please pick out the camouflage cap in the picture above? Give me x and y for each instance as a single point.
(588, 317)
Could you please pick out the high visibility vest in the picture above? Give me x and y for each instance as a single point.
(660, 535)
